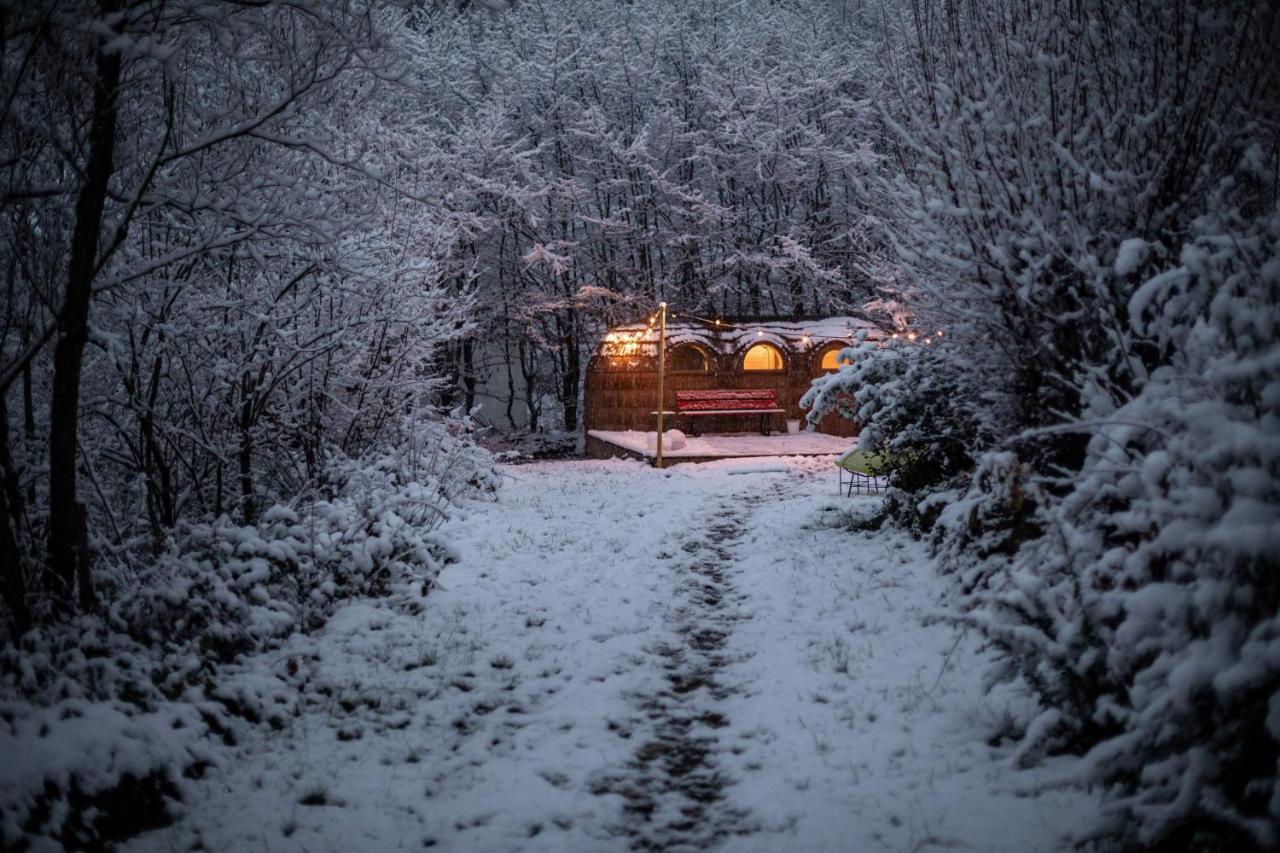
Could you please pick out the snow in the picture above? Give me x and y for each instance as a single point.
(629, 657)
(1131, 255)
(672, 440)
(732, 337)
(777, 444)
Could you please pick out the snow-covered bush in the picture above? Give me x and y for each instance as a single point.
(1147, 618)
(976, 528)
(1103, 227)
(222, 588)
(95, 749)
(912, 402)
(124, 702)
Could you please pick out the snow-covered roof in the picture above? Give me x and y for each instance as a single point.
(729, 337)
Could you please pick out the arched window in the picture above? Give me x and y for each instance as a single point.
(832, 361)
(688, 358)
(762, 357)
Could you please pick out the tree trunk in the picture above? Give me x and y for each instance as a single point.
(73, 323)
(88, 601)
(469, 372)
(569, 385)
(12, 585)
(248, 510)
(529, 372)
(28, 416)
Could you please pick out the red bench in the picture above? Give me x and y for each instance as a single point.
(761, 401)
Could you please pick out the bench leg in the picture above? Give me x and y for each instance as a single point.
(764, 424)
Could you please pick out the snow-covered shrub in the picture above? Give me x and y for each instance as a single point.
(977, 528)
(124, 703)
(94, 748)
(911, 401)
(1105, 231)
(222, 589)
(1147, 617)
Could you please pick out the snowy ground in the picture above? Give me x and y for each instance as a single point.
(627, 658)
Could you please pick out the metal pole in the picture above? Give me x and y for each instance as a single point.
(662, 370)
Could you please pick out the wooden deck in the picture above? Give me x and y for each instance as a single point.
(603, 444)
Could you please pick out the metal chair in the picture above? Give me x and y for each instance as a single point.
(868, 472)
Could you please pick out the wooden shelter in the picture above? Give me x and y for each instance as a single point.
(621, 388)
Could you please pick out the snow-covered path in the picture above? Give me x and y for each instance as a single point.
(626, 658)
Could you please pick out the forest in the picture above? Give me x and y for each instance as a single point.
(259, 256)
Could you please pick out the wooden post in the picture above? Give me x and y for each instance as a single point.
(662, 370)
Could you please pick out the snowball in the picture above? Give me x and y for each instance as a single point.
(672, 439)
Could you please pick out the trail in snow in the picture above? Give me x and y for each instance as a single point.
(673, 786)
(631, 659)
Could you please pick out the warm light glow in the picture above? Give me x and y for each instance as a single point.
(939, 333)
(831, 360)
(759, 334)
(894, 336)
(911, 336)
(622, 349)
(762, 357)
(805, 339)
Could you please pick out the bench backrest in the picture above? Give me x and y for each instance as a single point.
(747, 399)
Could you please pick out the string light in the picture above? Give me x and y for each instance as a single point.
(710, 322)
(911, 336)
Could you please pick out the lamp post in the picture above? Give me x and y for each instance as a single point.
(662, 365)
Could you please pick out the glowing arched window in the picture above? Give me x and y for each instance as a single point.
(689, 359)
(831, 360)
(762, 357)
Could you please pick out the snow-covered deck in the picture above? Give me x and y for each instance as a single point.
(704, 448)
